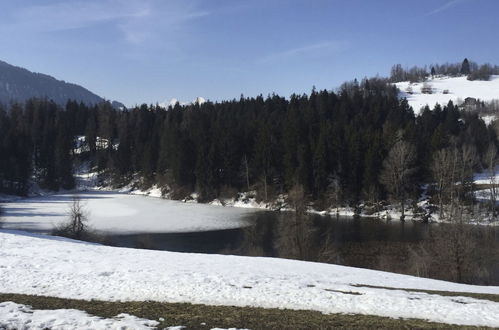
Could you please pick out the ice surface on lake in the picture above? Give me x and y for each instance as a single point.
(123, 213)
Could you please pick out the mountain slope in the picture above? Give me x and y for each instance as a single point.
(18, 84)
(445, 89)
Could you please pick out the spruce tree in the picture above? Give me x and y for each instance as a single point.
(465, 67)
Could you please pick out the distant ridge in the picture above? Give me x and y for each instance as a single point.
(18, 84)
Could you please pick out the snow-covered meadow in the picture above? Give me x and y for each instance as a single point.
(51, 266)
(17, 316)
(122, 213)
(459, 88)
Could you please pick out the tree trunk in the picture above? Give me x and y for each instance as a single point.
(402, 204)
(247, 172)
(265, 187)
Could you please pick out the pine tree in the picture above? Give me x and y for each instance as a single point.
(263, 157)
(465, 67)
(62, 154)
(320, 164)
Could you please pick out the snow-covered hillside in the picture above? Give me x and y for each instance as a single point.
(457, 88)
(53, 266)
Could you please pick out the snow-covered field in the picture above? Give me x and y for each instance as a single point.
(44, 265)
(459, 88)
(123, 213)
(17, 316)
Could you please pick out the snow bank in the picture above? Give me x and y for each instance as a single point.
(485, 177)
(32, 264)
(458, 88)
(123, 213)
(16, 316)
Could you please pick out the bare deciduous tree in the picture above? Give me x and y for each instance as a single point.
(333, 192)
(77, 217)
(491, 162)
(452, 171)
(467, 158)
(296, 237)
(244, 171)
(76, 225)
(1, 214)
(442, 174)
(296, 199)
(455, 248)
(398, 171)
(469, 161)
(419, 260)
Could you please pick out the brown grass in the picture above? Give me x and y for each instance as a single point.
(206, 317)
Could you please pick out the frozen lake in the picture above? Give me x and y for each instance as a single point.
(118, 213)
(153, 223)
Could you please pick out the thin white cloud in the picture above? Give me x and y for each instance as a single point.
(445, 7)
(78, 14)
(158, 27)
(137, 20)
(316, 49)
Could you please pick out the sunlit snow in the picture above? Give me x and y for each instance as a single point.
(37, 265)
(458, 88)
(123, 213)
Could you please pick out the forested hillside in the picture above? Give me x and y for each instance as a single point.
(18, 85)
(341, 147)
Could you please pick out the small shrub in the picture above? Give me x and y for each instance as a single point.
(483, 73)
(145, 241)
(265, 192)
(426, 89)
(76, 226)
(179, 192)
(228, 192)
(478, 75)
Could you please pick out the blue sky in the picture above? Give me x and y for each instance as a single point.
(139, 51)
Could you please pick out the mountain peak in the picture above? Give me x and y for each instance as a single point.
(198, 100)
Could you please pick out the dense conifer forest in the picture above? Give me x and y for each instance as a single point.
(339, 146)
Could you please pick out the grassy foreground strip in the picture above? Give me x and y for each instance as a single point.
(207, 317)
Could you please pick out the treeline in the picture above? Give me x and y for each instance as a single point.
(337, 145)
(467, 68)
